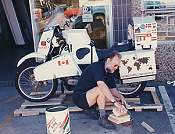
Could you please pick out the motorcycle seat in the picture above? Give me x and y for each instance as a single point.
(104, 53)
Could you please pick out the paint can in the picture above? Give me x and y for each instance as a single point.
(58, 120)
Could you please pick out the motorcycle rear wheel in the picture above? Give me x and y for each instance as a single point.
(29, 88)
(128, 90)
(131, 90)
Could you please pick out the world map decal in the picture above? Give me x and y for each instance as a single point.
(137, 63)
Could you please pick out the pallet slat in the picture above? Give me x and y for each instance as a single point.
(29, 112)
(135, 107)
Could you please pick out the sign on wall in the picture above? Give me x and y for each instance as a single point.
(145, 31)
(87, 14)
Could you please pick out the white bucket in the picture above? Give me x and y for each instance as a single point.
(58, 120)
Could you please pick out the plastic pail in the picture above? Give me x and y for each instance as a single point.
(58, 120)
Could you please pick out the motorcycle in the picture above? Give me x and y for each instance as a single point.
(61, 57)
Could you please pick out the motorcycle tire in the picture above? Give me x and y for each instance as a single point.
(29, 88)
(131, 90)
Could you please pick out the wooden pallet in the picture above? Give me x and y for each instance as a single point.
(35, 108)
(135, 106)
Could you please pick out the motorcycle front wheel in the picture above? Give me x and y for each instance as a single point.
(29, 88)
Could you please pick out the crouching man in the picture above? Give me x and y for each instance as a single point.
(96, 86)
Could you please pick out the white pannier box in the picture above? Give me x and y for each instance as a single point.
(138, 65)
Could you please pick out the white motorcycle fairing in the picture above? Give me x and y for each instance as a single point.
(80, 40)
(62, 66)
(85, 56)
(31, 55)
(76, 37)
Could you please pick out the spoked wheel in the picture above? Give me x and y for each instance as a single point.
(32, 90)
(131, 89)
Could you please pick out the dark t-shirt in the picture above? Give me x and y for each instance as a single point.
(93, 73)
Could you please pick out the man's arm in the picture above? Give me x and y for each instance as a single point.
(120, 97)
(106, 91)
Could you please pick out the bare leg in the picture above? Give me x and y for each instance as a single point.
(96, 96)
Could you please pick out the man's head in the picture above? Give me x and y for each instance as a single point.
(113, 62)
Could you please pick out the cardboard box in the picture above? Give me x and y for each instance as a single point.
(138, 65)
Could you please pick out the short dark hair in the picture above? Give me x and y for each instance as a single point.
(114, 53)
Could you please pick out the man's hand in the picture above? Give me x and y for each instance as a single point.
(122, 100)
(121, 108)
(118, 97)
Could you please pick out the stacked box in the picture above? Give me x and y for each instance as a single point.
(145, 31)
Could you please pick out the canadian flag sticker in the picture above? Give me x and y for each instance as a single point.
(63, 62)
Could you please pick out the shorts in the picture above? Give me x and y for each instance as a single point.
(81, 101)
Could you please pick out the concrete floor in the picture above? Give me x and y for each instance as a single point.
(80, 123)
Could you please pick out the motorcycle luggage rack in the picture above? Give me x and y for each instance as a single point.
(35, 108)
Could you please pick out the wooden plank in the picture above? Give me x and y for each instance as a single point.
(16, 113)
(154, 94)
(31, 108)
(35, 104)
(145, 106)
(65, 92)
(29, 112)
(159, 109)
(133, 100)
(128, 100)
(75, 109)
(155, 97)
(149, 89)
(137, 109)
(148, 127)
(53, 101)
(140, 107)
(38, 93)
(57, 92)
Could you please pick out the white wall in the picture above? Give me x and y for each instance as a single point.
(93, 3)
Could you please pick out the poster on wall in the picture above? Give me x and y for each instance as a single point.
(87, 14)
(145, 31)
